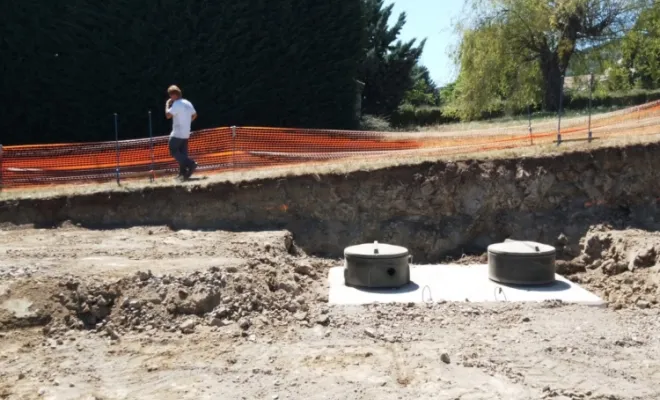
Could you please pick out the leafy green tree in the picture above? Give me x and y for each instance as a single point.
(515, 52)
(388, 63)
(641, 49)
(618, 78)
(597, 59)
(447, 94)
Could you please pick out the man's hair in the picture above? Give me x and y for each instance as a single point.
(174, 89)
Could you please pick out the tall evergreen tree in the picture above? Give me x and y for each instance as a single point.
(424, 91)
(388, 62)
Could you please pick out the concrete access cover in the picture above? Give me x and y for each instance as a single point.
(376, 251)
(376, 265)
(521, 263)
(521, 248)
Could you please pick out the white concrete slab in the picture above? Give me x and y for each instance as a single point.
(457, 283)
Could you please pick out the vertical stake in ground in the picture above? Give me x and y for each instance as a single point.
(233, 144)
(117, 146)
(152, 176)
(591, 96)
(529, 125)
(559, 111)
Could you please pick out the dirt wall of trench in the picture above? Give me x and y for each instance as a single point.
(436, 209)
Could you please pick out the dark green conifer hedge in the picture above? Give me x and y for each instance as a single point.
(68, 65)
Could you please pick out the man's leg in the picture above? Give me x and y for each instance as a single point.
(190, 165)
(175, 145)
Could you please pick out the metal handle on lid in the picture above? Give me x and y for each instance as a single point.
(537, 248)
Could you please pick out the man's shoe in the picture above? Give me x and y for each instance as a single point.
(190, 171)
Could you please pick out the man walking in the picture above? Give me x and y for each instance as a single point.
(182, 113)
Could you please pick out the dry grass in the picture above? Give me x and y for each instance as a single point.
(334, 167)
(519, 122)
(605, 122)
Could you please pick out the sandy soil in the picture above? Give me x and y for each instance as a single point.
(148, 313)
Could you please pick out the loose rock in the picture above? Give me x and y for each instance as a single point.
(244, 324)
(188, 326)
(444, 357)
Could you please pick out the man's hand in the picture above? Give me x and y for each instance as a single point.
(168, 105)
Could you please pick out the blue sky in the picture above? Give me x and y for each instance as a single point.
(433, 20)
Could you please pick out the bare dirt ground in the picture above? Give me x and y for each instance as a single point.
(150, 313)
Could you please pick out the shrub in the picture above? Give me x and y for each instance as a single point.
(610, 100)
(408, 115)
(374, 123)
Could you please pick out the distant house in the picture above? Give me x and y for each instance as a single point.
(580, 83)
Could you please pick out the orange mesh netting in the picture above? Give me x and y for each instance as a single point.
(245, 147)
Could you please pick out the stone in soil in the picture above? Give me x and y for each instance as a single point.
(188, 326)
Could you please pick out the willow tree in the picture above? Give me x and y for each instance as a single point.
(514, 52)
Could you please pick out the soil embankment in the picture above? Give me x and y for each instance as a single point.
(436, 209)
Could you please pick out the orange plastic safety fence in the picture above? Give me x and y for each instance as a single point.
(251, 147)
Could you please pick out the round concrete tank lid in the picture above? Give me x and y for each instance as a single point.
(522, 248)
(376, 250)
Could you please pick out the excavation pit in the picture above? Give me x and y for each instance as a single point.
(458, 283)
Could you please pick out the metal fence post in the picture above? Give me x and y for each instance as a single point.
(559, 111)
(233, 142)
(529, 125)
(591, 96)
(151, 150)
(117, 147)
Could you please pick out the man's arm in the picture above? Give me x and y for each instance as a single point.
(194, 117)
(168, 109)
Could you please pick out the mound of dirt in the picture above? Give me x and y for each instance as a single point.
(622, 266)
(272, 288)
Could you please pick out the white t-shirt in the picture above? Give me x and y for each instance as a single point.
(182, 111)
